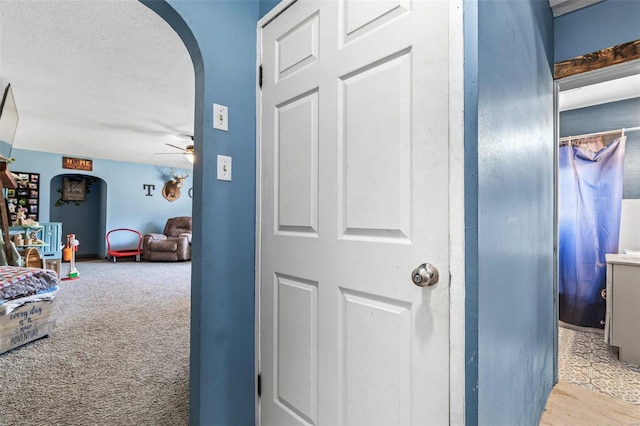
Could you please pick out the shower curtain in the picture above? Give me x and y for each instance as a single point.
(589, 204)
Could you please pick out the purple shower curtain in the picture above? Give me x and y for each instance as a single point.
(589, 204)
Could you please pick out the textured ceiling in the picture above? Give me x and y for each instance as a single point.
(110, 79)
(595, 94)
(97, 79)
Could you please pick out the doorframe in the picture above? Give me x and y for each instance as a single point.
(457, 219)
(573, 81)
(457, 268)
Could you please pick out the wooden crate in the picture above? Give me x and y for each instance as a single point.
(29, 322)
(53, 264)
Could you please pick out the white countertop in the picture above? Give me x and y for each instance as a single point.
(623, 259)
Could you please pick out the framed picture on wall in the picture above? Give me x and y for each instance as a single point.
(26, 195)
(74, 189)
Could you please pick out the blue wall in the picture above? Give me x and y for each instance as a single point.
(127, 205)
(82, 220)
(267, 5)
(514, 276)
(611, 116)
(510, 217)
(222, 370)
(596, 27)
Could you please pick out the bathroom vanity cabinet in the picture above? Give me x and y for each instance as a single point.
(623, 302)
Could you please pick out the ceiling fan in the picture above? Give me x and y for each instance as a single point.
(187, 151)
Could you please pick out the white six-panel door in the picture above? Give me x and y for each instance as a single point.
(353, 171)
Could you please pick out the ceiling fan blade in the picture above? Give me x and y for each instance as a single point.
(169, 153)
(175, 146)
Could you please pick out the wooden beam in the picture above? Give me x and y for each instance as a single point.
(602, 58)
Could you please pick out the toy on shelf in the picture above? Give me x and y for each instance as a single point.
(22, 219)
(21, 215)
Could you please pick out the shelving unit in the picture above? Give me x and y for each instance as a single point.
(50, 235)
(31, 253)
(26, 230)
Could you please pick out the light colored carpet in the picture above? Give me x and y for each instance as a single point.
(119, 354)
(586, 360)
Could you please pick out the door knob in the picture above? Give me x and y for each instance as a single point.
(425, 275)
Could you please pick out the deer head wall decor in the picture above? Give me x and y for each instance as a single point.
(171, 189)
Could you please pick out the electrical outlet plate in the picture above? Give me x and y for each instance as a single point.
(224, 168)
(220, 117)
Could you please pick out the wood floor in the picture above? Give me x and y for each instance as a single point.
(570, 405)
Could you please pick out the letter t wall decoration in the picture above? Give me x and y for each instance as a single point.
(149, 187)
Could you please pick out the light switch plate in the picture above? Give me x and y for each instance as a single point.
(220, 117)
(224, 168)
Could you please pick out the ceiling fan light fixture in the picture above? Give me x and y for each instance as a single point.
(190, 157)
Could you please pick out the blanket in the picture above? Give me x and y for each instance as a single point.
(16, 281)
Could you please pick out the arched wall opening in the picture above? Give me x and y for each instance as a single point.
(82, 212)
(222, 361)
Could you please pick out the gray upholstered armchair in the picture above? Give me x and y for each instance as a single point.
(172, 245)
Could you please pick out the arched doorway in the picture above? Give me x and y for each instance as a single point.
(222, 370)
(86, 219)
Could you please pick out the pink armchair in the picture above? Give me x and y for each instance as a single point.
(174, 244)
